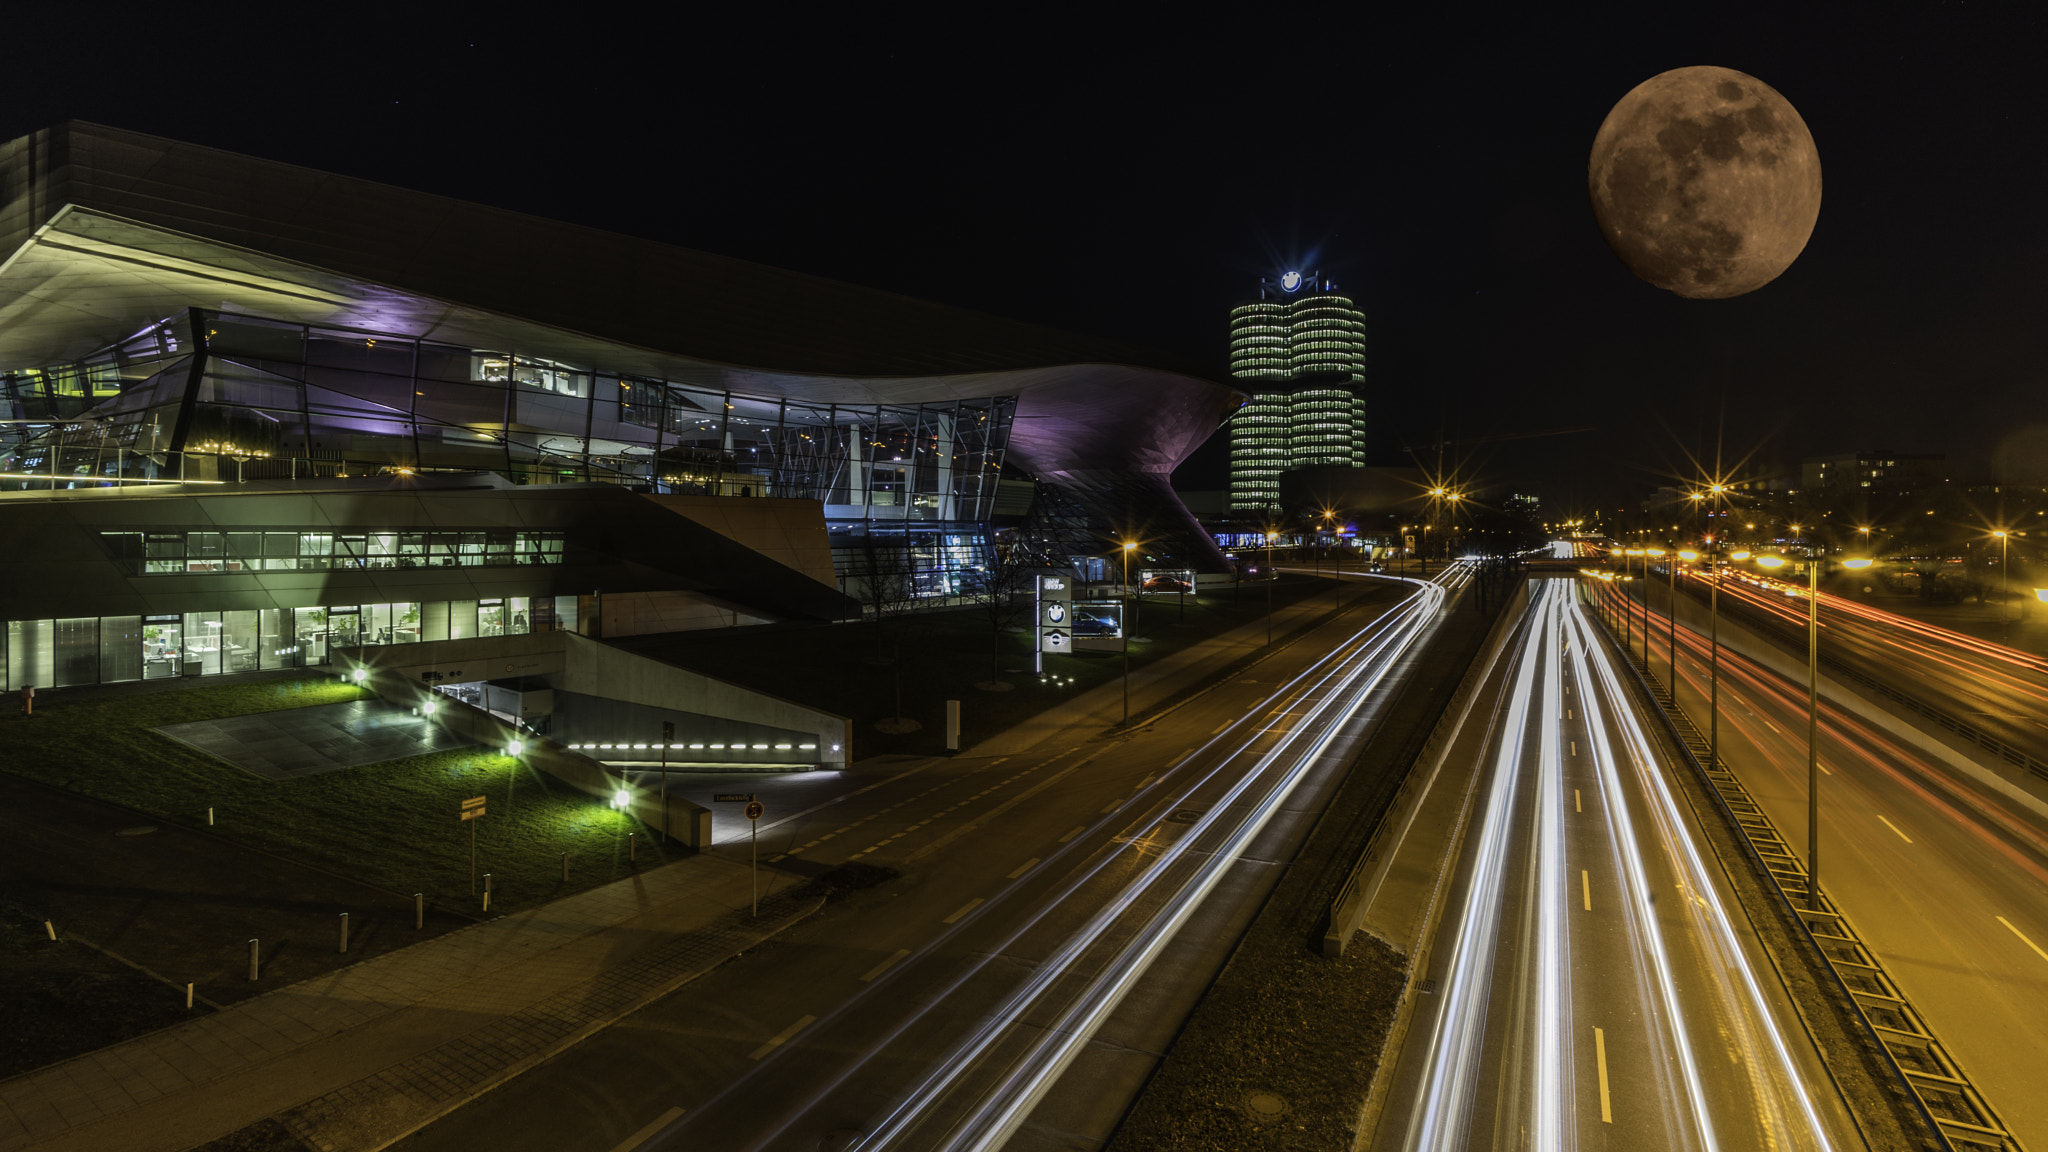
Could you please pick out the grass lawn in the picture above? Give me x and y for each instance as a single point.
(64, 999)
(393, 825)
(856, 670)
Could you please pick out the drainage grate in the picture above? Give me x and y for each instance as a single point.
(1426, 987)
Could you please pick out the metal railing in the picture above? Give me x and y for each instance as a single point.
(1952, 1107)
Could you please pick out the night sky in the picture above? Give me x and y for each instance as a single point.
(1132, 175)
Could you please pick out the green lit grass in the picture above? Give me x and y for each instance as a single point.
(393, 825)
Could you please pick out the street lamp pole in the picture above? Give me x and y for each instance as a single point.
(1813, 727)
(1270, 537)
(1124, 626)
(2004, 591)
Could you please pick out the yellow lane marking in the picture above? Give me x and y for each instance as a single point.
(1895, 828)
(1074, 833)
(1022, 868)
(1586, 888)
(782, 1037)
(885, 965)
(1600, 1054)
(2023, 936)
(964, 910)
(647, 1133)
(1577, 804)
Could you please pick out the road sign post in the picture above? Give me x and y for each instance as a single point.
(472, 810)
(754, 811)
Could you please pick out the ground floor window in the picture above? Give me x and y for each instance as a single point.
(110, 649)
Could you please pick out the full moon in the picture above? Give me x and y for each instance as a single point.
(1705, 182)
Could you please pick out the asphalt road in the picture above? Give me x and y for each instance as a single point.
(1596, 986)
(1086, 888)
(1946, 883)
(1999, 690)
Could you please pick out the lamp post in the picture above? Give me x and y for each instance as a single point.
(1717, 491)
(1270, 537)
(2004, 589)
(1124, 626)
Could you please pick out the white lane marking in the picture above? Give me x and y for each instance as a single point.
(885, 965)
(1182, 758)
(1074, 833)
(647, 1133)
(964, 910)
(1600, 1054)
(1895, 828)
(1586, 888)
(782, 1037)
(1219, 730)
(1113, 806)
(2023, 936)
(1022, 868)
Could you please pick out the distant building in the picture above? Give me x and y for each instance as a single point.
(1851, 472)
(1299, 349)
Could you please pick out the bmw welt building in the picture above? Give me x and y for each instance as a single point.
(256, 413)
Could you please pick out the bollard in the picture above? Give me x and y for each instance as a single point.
(188, 997)
(50, 928)
(344, 933)
(209, 817)
(419, 910)
(487, 899)
(252, 959)
(565, 867)
(632, 846)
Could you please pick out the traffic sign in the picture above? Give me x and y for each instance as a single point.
(754, 810)
(732, 798)
(472, 813)
(473, 802)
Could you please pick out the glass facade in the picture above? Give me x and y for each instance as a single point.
(153, 552)
(1300, 349)
(110, 649)
(216, 396)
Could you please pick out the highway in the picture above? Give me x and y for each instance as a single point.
(1060, 911)
(1945, 882)
(1594, 986)
(1999, 690)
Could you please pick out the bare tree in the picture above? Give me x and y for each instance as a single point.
(1005, 573)
(881, 579)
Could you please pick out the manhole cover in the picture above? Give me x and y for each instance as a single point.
(1184, 815)
(1265, 1105)
(138, 830)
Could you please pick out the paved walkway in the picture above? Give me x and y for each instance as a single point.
(359, 1057)
(294, 742)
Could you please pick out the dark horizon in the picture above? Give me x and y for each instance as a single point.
(1136, 181)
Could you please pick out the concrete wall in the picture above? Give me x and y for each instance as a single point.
(577, 664)
(688, 822)
(648, 613)
(1980, 765)
(790, 531)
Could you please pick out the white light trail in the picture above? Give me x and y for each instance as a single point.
(1520, 1066)
(1783, 1108)
(1344, 679)
(1004, 1105)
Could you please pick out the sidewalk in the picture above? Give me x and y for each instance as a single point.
(359, 1057)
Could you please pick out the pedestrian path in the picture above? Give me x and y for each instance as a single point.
(360, 1056)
